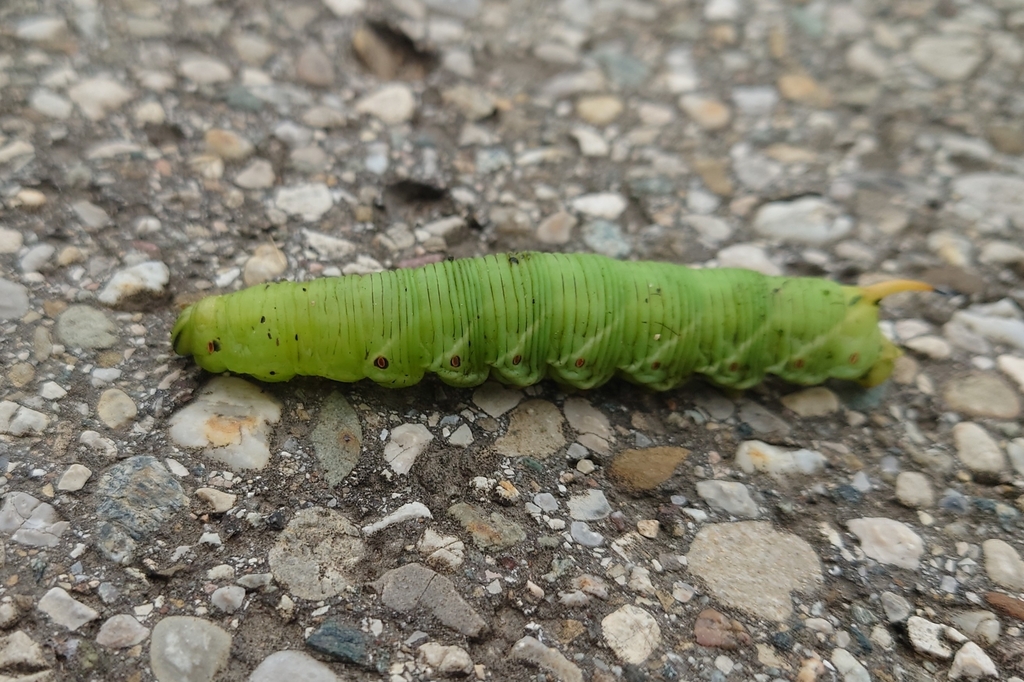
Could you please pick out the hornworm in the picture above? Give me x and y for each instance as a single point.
(579, 319)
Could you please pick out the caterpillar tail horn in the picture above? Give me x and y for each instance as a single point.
(876, 292)
(872, 294)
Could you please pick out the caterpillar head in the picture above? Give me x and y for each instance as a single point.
(181, 334)
(864, 309)
(195, 334)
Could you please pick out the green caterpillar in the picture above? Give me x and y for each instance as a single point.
(579, 319)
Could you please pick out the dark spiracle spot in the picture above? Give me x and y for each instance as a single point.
(655, 365)
(517, 359)
(580, 362)
(456, 361)
(381, 362)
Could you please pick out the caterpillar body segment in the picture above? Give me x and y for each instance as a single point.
(519, 318)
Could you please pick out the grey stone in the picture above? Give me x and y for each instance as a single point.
(762, 421)
(204, 70)
(229, 598)
(409, 511)
(99, 96)
(31, 522)
(1003, 565)
(810, 220)
(315, 553)
(913, 489)
(20, 654)
(415, 586)
(495, 399)
(308, 201)
(585, 418)
(979, 452)
(450, 661)
(121, 631)
(393, 104)
(752, 567)
(929, 638)
(65, 610)
(605, 237)
(188, 649)
(972, 662)
(258, 174)
(982, 395)
(532, 651)
(897, 609)
(405, 444)
(730, 497)
(82, 326)
(949, 57)
(888, 541)
(990, 195)
(337, 438)
(50, 103)
(982, 626)
(589, 506)
(632, 633)
(297, 666)
(849, 667)
(582, 534)
(534, 430)
(92, 216)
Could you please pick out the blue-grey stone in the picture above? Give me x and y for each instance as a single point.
(491, 159)
(340, 641)
(605, 237)
(13, 300)
(137, 497)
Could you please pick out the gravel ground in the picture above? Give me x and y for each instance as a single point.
(158, 523)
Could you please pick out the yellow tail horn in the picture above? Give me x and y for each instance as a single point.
(876, 292)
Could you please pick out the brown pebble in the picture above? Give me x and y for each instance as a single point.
(1005, 604)
(800, 87)
(376, 55)
(569, 630)
(21, 374)
(314, 67)
(714, 629)
(810, 670)
(714, 173)
(648, 468)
